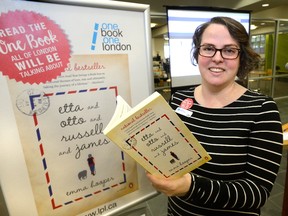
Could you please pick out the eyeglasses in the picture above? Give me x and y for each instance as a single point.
(228, 52)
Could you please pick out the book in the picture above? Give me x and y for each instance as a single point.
(155, 137)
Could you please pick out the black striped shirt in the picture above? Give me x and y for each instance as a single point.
(244, 140)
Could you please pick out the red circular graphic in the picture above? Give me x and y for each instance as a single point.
(33, 49)
(187, 103)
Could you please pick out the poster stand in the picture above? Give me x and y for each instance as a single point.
(135, 57)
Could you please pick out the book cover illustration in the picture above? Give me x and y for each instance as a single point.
(60, 126)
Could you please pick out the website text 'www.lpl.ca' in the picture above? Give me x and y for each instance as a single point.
(102, 210)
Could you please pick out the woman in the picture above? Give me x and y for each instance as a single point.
(240, 129)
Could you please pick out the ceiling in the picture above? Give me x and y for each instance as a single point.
(158, 10)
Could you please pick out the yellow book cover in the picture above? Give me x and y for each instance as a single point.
(153, 135)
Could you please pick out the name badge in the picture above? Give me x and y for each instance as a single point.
(184, 112)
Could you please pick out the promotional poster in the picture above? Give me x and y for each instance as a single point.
(63, 73)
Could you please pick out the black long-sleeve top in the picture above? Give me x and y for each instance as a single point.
(244, 140)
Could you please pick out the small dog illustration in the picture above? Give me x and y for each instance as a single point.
(82, 175)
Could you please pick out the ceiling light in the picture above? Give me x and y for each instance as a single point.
(165, 36)
(252, 27)
(265, 5)
(152, 25)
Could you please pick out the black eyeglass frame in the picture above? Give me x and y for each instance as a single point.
(220, 50)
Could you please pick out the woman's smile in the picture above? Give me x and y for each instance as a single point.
(216, 69)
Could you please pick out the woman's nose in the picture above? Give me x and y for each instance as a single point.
(217, 56)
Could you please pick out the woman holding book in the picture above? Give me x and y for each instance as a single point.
(240, 129)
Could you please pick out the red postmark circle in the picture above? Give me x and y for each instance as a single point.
(33, 49)
(187, 103)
